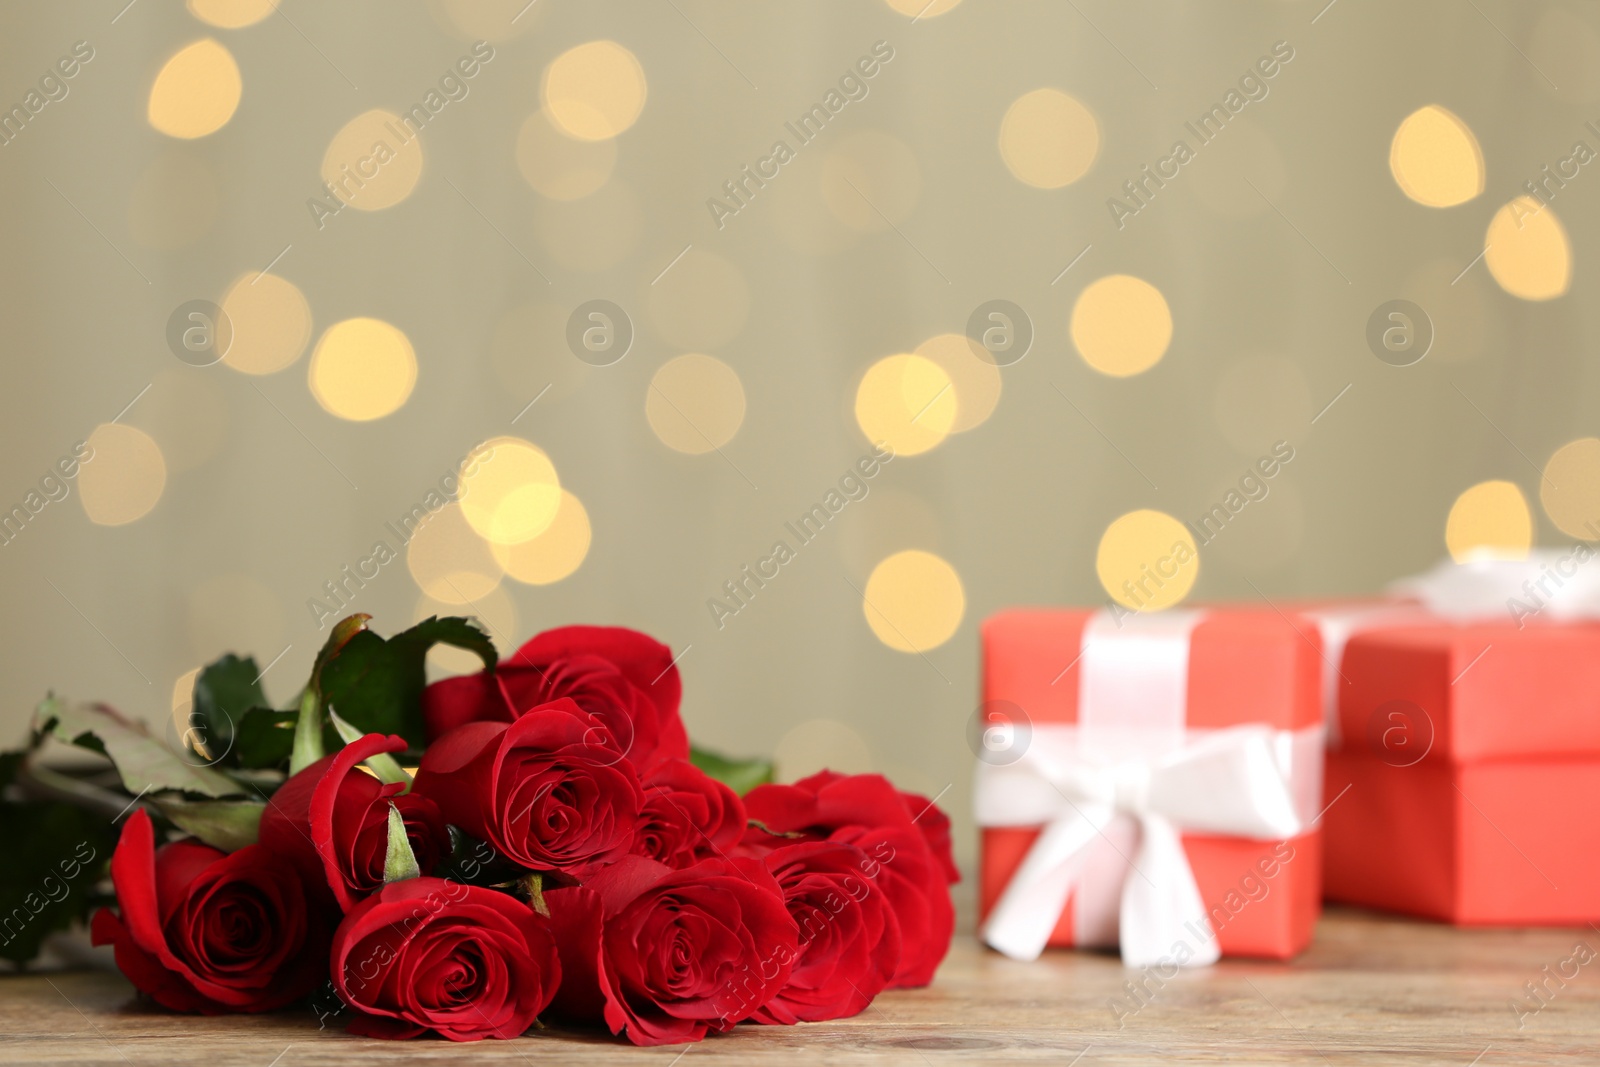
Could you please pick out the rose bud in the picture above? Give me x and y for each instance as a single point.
(202, 930)
(849, 936)
(866, 811)
(666, 956)
(624, 683)
(332, 821)
(687, 816)
(539, 790)
(426, 954)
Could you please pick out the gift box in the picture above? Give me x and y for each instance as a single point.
(1150, 781)
(1464, 782)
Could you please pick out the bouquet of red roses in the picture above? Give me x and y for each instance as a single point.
(464, 858)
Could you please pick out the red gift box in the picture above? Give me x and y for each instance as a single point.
(1260, 894)
(1465, 785)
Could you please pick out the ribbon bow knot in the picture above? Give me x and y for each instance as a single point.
(1231, 782)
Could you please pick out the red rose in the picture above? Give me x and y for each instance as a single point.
(849, 936)
(203, 930)
(624, 682)
(866, 811)
(668, 955)
(538, 789)
(332, 821)
(429, 954)
(687, 816)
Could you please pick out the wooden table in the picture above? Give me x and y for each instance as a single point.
(1373, 990)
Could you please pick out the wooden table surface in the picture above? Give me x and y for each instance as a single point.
(1372, 990)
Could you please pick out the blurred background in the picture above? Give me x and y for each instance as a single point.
(552, 312)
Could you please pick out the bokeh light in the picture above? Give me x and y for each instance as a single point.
(232, 14)
(449, 561)
(372, 163)
(554, 554)
(820, 745)
(362, 369)
(196, 92)
(271, 323)
(695, 403)
(1489, 521)
(1527, 250)
(908, 402)
(1048, 139)
(871, 181)
(124, 477)
(510, 491)
(975, 380)
(559, 166)
(594, 91)
(1121, 325)
(1147, 560)
(1570, 489)
(914, 601)
(1435, 159)
(922, 9)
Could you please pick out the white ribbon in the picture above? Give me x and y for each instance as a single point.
(1131, 764)
(1563, 581)
(1234, 782)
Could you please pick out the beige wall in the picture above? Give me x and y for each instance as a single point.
(108, 225)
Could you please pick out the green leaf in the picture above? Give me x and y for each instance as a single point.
(399, 862)
(226, 824)
(224, 692)
(308, 742)
(377, 684)
(381, 763)
(265, 738)
(739, 775)
(54, 854)
(144, 763)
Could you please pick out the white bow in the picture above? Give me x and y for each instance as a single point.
(1563, 581)
(1233, 782)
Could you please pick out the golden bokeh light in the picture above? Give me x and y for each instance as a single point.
(271, 323)
(1570, 489)
(1147, 560)
(196, 92)
(510, 491)
(1490, 520)
(700, 302)
(914, 601)
(124, 476)
(922, 9)
(372, 163)
(449, 561)
(487, 20)
(559, 166)
(1527, 250)
(908, 402)
(1435, 159)
(362, 369)
(1121, 325)
(553, 554)
(594, 91)
(175, 201)
(232, 14)
(871, 181)
(975, 380)
(820, 745)
(695, 403)
(1048, 139)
